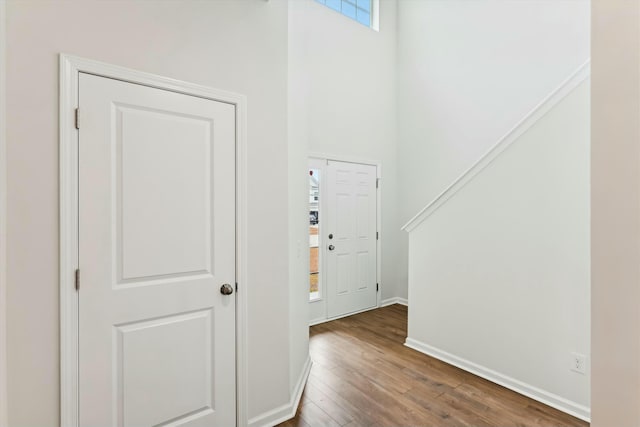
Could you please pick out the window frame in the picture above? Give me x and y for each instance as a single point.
(374, 13)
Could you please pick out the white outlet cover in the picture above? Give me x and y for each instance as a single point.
(578, 363)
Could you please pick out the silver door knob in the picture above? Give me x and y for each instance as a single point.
(331, 247)
(226, 289)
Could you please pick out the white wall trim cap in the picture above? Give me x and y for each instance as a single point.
(288, 410)
(539, 111)
(553, 400)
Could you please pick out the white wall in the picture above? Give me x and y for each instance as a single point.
(240, 46)
(615, 181)
(499, 276)
(345, 105)
(468, 71)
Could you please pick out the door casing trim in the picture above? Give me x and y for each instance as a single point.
(70, 69)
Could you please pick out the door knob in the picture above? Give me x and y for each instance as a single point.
(331, 247)
(226, 289)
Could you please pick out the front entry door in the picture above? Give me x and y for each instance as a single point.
(156, 244)
(350, 236)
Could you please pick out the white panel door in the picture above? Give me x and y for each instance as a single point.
(157, 241)
(350, 236)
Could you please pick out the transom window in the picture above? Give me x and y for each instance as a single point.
(359, 10)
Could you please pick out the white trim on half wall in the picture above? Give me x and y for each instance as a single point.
(538, 112)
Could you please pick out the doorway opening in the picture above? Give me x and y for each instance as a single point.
(343, 238)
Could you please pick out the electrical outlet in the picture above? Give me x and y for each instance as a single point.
(579, 363)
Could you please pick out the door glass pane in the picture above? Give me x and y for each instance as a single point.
(314, 236)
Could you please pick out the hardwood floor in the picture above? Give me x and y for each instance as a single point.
(363, 375)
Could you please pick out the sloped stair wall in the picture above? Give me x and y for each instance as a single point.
(499, 273)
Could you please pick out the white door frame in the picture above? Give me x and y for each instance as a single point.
(70, 68)
(378, 165)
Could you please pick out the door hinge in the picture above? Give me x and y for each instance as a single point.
(377, 235)
(377, 287)
(77, 279)
(377, 182)
(77, 118)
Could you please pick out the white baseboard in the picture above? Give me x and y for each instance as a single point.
(553, 400)
(318, 321)
(324, 320)
(394, 300)
(287, 411)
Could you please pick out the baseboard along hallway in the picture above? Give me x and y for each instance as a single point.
(363, 375)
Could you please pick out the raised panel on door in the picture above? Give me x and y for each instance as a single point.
(158, 156)
(351, 253)
(182, 345)
(156, 242)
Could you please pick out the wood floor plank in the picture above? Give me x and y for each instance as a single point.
(315, 416)
(360, 396)
(363, 375)
(359, 414)
(343, 414)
